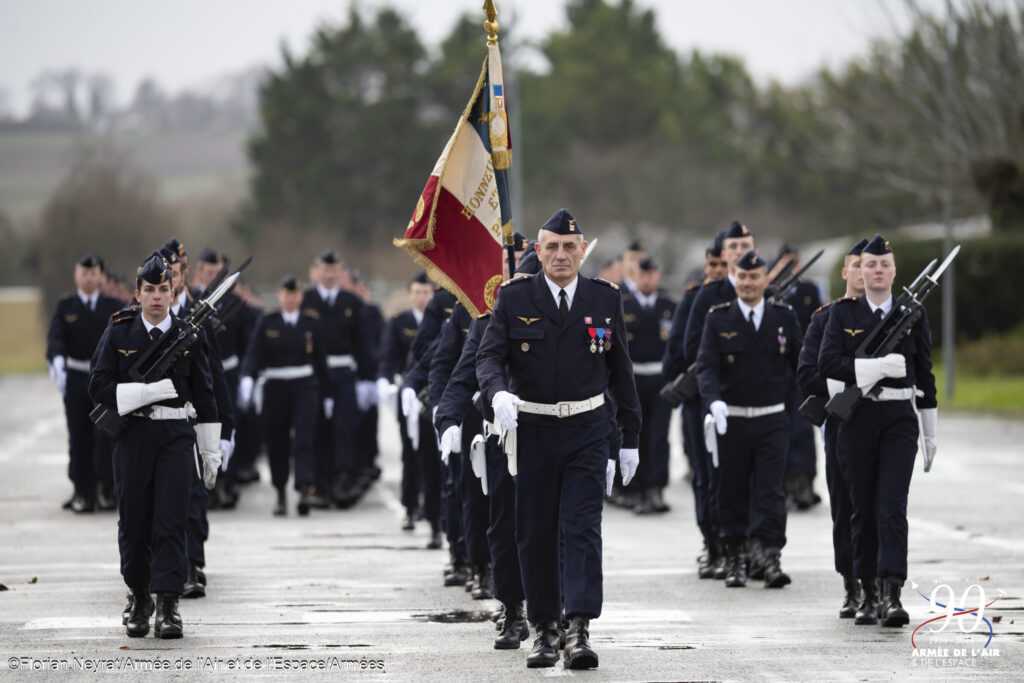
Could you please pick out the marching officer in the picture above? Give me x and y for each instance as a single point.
(366, 444)
(801, 467)
(877, 447)
(813, 384)
(75, 329)
(675, 363)
(351, 368)
(287, 350)
(748, 354)
(555, 344)
(396, 341)
(648, 317)
(153, 458)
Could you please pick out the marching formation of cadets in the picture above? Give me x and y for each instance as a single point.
(515, 427)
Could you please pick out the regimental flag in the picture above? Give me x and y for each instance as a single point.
(456, 230)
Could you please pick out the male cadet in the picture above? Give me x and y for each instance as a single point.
(813, 384)
(876, 448)
(75, 329)
(350, 363)
(747, 355)
(366, 427)
(801, 467)
(198, 528)
(208, 264)
(693, 440)
(556, 343)
(288, 350)
(736, 242)
(154, 456)
(648, 317)
(630, 260)
(456, 402)
(393, 361)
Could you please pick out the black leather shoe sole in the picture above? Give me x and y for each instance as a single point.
(778, 581)
(193, 590)
(541, 662)
(583, 660)
(167, 631)
(137, 631)
(302, 508)
(896, 618)
(865, 620)
(735, 583)
(847, 613)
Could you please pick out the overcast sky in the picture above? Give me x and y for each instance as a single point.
(182, 43)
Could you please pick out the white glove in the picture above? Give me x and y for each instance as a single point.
(366, 394)
(58, 374)
(478, 460)
(609, 472)
(208, 440)
(629, 459)
(385, 392)
(720, 412)
(245, 386)
(328, 408)
(929, 417)
(410, 404)
(227, 449)
(504, 405)
(834, 387)
(870, 371)
(133, 395)
(451, 442)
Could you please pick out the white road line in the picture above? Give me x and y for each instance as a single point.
(947, 532)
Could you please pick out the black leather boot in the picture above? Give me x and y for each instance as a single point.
(578, 653)
(105, 497)
(458, 575)
(281, 506)
(867, 612)
(719, 570)
(140, 610)
(483, 584)
(409, 523)
(658, 503)
(892, 612)
(514, 629)
(436, 540)
(755, 559)
(545, 646)
(168, 621)
(706, 561)
(735, 567)
(774, 577)
(194, 588)
(852, 598)
(305, 496)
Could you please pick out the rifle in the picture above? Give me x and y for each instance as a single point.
(156, 362)
(782, 291)
(886, 336)
(682, 388)
(221, 315)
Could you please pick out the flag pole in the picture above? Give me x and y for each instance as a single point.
(491, 27)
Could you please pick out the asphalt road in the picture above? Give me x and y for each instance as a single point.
(352, 592)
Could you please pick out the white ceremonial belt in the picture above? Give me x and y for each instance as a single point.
(167, 413)
(346, 361)
(230, 363)
(289, 372)
(892, 394)
(647, 369)
(563, 408)
(755, 411)
(77, 364)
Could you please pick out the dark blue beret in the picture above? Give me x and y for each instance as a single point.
(328, 256)
(528, 263)
(208, 255)
(420, 278)
(289, 282)
(177, 247)
(92, 261)
(856, 249)
(170, 255)
(647, 264)
(735, 230)
(519, 241)
(563, 223)
(751, 261)
(634, 246)
(877, 246)
(155, 270)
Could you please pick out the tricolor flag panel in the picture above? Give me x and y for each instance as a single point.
(456, 229)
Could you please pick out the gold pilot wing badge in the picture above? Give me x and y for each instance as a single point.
(528, 321)
(127, 352)
(727, 335)
(852, 333)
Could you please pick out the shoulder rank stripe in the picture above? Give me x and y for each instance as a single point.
(606, 282)
(522, 277)
(719, 307)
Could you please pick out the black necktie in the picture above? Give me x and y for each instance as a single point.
(155, 333)
(753, 325)
(878, 314)
(563, 304)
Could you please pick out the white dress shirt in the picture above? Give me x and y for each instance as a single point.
(89, 300)
(418, 315)
(886, 306)
(328, 295)
(570, 291)
(291, 318)
(646, 300)
(757, 309)
(163, 325)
